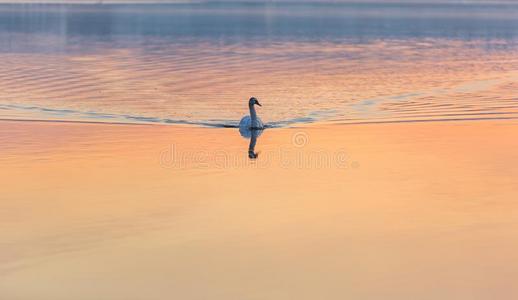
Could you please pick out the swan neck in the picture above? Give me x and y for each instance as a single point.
(253, 114)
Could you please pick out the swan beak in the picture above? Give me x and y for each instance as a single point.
(257, 102)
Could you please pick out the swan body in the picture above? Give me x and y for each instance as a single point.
(248, 123)
(251, 121)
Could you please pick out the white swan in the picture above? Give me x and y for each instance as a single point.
(251, 121)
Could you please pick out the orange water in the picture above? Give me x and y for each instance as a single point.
(356, 194)
(396, 211)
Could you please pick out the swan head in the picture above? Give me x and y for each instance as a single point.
(253, 101)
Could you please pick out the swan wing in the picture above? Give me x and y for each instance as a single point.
(245, 122)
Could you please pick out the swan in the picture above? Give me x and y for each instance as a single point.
(251, 121)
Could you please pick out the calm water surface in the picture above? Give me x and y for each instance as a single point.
(113, 212)
(198, 63)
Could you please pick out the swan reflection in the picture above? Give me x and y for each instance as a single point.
(252, 134)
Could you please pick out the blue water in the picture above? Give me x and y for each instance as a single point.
(267, 22)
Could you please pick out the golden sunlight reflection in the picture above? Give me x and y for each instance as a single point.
(402, 211)
(387, 166)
